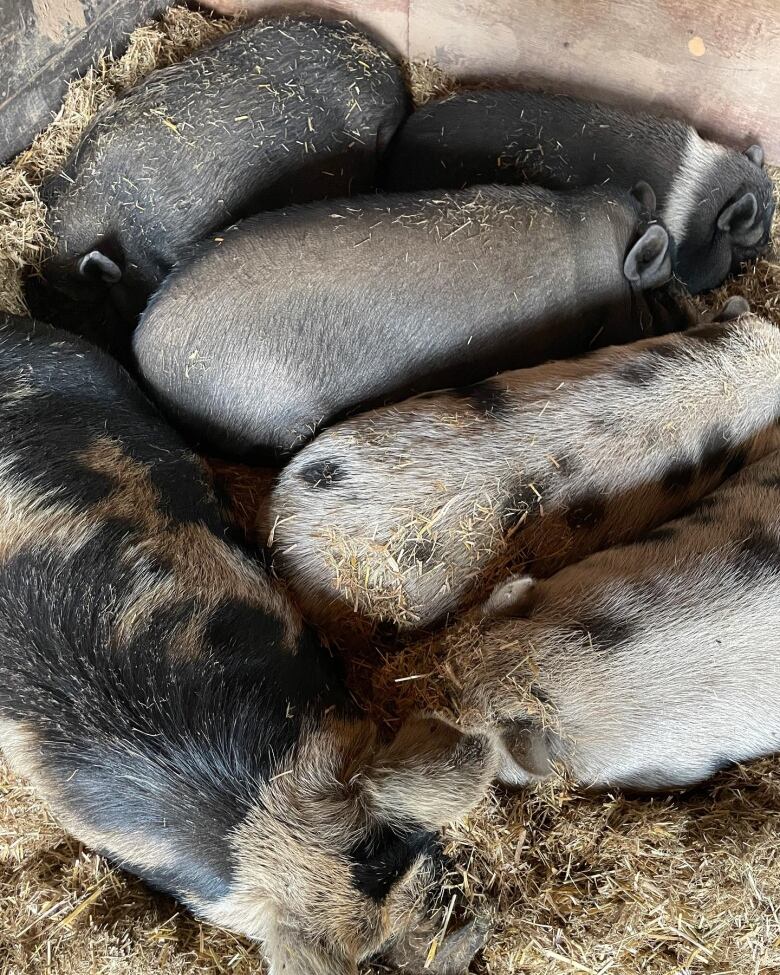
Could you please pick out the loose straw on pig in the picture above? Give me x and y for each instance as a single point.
(685, 884)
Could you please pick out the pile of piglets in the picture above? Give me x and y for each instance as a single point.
(462, 335)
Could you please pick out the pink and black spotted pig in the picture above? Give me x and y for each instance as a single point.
(165, 698)
(409, 513)
(655, 663)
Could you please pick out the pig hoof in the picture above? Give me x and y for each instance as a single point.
(459, 948)
(510, 598)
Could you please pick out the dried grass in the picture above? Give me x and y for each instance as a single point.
(686, 884)
(427, 81)
(24, 238)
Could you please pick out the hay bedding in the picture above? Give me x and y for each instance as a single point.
(686, 884)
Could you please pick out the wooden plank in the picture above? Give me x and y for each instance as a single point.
(385, 20)
(711, 61)
(714, 62)
(46, 43)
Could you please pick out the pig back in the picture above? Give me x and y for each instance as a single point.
(661, 659)
(291, 319)
(407, 513)
(515, 136)
(133, 631)
(272, 113)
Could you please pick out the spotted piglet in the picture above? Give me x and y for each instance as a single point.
(408, 513)
(166, 699)
(656, 663)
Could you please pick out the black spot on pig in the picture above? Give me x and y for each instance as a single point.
(662, 534)
(714, 450)
(237, 627)
(735, 463)
(185, 495)
(385, 854)
(758, 554)
(679, 476)
(486, 397)
(712, 334)
(419, 550)
(586, 512)
(702, 511)
(667, 351)
(606, 631)
(719, 455)
(322, 473)
(65, 474)
(518, 505)
(638, 372)
(302, 674)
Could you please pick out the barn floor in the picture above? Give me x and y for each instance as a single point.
(687, 884)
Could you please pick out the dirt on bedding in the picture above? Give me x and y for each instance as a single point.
(686, 884)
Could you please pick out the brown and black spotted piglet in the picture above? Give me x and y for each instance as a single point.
(656, 663)
(411, 512)
(167, 700)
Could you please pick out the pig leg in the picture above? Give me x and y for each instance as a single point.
(453, 957)
(432, 772)
(511, 598)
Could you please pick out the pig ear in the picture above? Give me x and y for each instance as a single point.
(731, 309)
(97, 266)
(756, 155)
(645, 193)
(739, 219)
(649, 262)
(289, 953)
(513, 597)
(432, 772)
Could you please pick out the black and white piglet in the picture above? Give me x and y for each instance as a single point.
(272, 113)
(716, 202)
(166, 699)
(291, 319)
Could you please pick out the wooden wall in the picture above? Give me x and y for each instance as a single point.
(46, 43)
(714, 62)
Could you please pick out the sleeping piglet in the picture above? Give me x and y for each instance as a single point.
(274, 112)
(293, 318)
(408, 513)
(646, 666)
(162, 693)
(716, 202)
